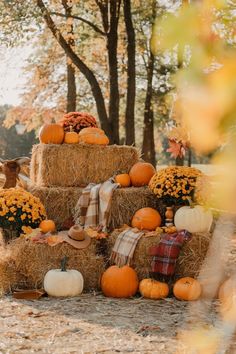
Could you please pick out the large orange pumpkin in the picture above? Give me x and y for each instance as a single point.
(93, 136)
(153, 289)
(146, 219)
(141, 173)
(187, 289)
(119, 282)
(47, 226)
(123, 179)
(51, 134)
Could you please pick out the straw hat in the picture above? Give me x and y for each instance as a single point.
(76, 237)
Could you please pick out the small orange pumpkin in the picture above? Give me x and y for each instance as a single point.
(123, 179)
(47, 226)
(153, 289)
(187, 289)
(93, 136)
(119, 282)
(51, 134)
(146, 219)
(141, 173)
(71, 137)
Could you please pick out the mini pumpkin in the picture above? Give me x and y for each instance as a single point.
(123, 179)
(93, 136)
(146, 219)
(47, 226)
(193, 219)
(119, 282)
(51, 134)
(187, 289)
(63, 282)
(71, 137)
(153, 289)
(141, 173)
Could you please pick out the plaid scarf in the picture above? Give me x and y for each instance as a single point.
(167, 252)
(94, 204)
(123, 250)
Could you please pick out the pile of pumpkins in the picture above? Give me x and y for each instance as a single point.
(54, 134)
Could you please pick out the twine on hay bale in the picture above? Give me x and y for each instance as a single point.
(31, 261)
(189, 262)
(60, 203)
(71, 165)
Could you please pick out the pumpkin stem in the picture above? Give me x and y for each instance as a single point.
(191, 203)
(63, 264)
(71, 129)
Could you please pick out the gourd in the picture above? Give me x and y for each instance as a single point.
(153, 289)
(51, 134)
(63, 282)
(141, 173)
(93, 136)
(47, 226)
(123, 179)
(193, 219)
(146, 219)
(227, 288)
(71, 137)
(187, 289)
(119, 282)
(227, 297)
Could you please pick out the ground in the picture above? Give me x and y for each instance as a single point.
(92, 323)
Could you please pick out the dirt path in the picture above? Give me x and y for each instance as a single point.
(91, 324)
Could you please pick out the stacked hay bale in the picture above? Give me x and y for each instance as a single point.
(59, 173)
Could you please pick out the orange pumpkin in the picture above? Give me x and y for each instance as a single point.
(51, 134)
(119, 282)
(141, 173)
(123, 179)
(71, 137)
(47, 226)
(146, 219)
(93, 136)
(187, 289)
(153, 289)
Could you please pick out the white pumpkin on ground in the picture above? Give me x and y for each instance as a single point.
(63, 282)
(193, 219)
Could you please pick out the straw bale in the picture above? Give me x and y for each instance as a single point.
(29, 262)
(72, 165)
(60, 203)
(189, 262)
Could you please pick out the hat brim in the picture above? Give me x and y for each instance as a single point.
(77, 244)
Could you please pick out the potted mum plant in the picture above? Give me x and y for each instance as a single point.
(19, 208)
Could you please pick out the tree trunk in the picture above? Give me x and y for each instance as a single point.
(71, 84)
(112, 42)
(84, 69)
(131, 72)
(179, 161)
(148, 147)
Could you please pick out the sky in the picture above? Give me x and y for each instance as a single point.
(12, 78)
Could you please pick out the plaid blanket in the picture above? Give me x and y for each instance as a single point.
(165, 255)
(94, 204)
(123, 250)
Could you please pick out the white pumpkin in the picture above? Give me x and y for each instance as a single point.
(193, 219)
(63, 282)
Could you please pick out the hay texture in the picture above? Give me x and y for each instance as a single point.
(189, 262)
(24, 263)
(60, 203)
(72, 165)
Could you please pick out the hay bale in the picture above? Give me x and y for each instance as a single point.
(29, 262)
(72, 165)
(192, 255)
(60, 203)
(189, 262)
